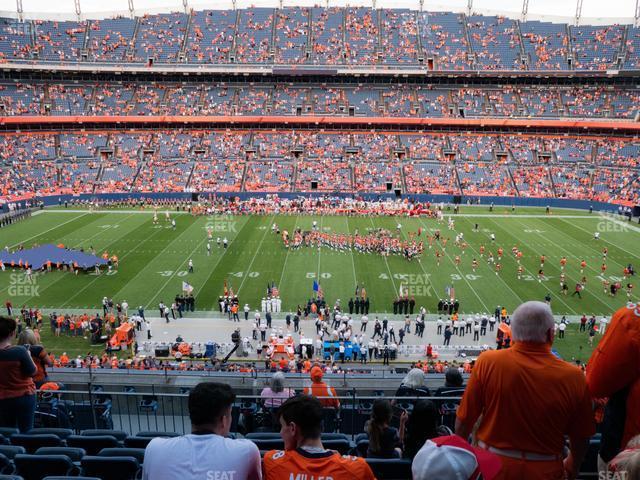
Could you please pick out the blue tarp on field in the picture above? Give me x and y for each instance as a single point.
(38, 257)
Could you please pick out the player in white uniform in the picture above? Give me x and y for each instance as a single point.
(208, 249)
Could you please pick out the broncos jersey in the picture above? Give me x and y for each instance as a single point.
(302, 465)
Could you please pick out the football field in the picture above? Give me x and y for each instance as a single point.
(153, 260)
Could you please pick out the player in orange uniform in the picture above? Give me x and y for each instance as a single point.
(563, 263)
(304, 456)
(583, 265)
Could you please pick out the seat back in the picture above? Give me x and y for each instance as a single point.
(339, 444)
(36, 467)
(60, 432)
(111, 468)
(7, 431)
(390, 469)
(268, 443)
(6, 465)
(92, 445)
(137, 442)
(152, 434)
(11, 451)
(261, 435)
(96, 432)
(137, 453)
(33, 442)
(75, 454)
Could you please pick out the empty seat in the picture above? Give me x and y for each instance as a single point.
(93, 445)
(268, 443)
(11, 451)
(390, 469)
(60, 432)
(111, 468)
(137, 453)
(74, 453)
(7, 431)
(262, 435)
(69, 478)
(36, 467)
(339, 444)
(6, 465)
(137, 442)
(13, 477)
(33, 442)
(96, 432)
(152, 434)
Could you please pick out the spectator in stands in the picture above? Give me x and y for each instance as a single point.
(453, 387)
(206, 452)
(452, 457)
(275, 394)
(413, 385)
(421, 425)
(384, 440)
(453, 384)
(17, 390)
(326, 394)
(39, 355)
(304, 455)
(613, 372)
(528, 400)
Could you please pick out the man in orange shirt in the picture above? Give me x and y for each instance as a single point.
(326, 394)
(528, 400)
(304, 455)
(613, 372)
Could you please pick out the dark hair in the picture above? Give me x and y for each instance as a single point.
(453, 377)
(306, 412)
(422, 424)
(208, 401)
(381, 414)
(7, 326)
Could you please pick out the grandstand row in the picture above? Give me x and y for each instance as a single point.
(326, 36)
(158, 170)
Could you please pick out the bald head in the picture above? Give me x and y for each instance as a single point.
(532, 322)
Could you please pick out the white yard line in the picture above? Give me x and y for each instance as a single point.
(608, 307)
(319, 253)
(122, 258)
(171, 277)
(266, 230)
(462, 275)
(286, 257)
(353, 263)
(534, 275)
(47, 231)
(499, 276)
(396, 292)
(610, 243)
(213, 269)
(87, 239)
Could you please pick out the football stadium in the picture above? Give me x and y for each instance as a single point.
(303, 241)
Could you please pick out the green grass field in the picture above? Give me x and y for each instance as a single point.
(153, 260)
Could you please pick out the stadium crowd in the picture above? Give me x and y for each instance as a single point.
(529, 445)
(325, 36)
